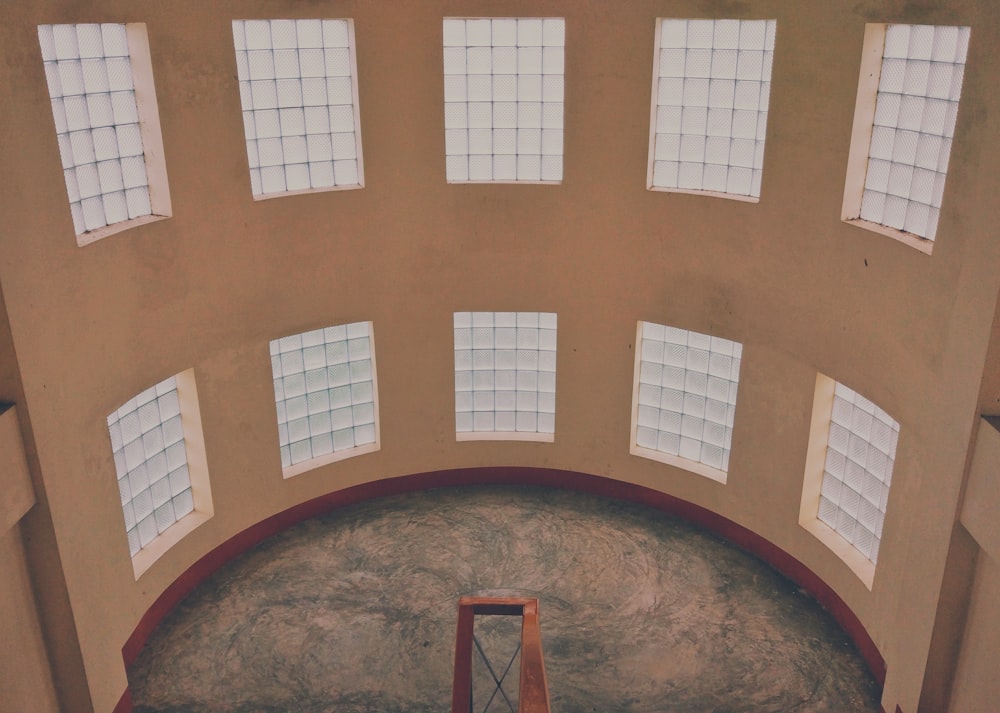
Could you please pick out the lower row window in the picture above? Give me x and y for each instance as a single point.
(683, 412)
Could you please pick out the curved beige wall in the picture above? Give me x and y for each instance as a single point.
(209, 287)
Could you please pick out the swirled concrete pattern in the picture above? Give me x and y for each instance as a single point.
(355, 611)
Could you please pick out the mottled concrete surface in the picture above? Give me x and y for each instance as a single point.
(355, 611)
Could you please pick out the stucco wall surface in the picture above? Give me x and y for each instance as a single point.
(208, 288)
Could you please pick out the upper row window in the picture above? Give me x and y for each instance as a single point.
(299, 93)
(503, 99)
(101, 86)
(904, 121)
(711, 88)
(503, 113)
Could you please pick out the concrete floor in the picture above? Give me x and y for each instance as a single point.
(355, 611)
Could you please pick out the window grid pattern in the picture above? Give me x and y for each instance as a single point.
(916, 105)
(503, 94)
(712, 88)
(298, 92)
(147, 439)
(89, 74)
(324, 391)
(505, 372)
(687, 394)
(860, 454)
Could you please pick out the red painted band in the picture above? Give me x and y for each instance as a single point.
(124, 703)
(597, 485)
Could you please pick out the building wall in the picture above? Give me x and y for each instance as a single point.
(976, 687)
(207, 288)
(34, 585)
(25, 680)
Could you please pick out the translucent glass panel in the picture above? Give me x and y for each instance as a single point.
(503, 99)
(858, 471)
(686, 395)
(147, 438)
(505, 372)
(917, 102)
(298, 88)
(324, 391)
(89, 75)
(711, 86)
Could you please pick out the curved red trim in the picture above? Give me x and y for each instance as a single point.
(124, 703)
(607, 487)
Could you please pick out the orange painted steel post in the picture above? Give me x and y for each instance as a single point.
(461, 692)
(534, 695)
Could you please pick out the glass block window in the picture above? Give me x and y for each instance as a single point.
(324, 391)
(503, 99)
(298, 88)
(860, 453)
(916, 105)
(90, 79)
(505, 373)
(685, 395)
(147, 438)
(711, 87)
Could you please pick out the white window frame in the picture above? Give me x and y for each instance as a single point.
(654, 107)
(511, 435)
(197, 463)
(861, 136)
(815, 467)
(693, 466)
(245, 109)
(303, 466)
(152, 139)
(550, 137)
